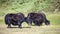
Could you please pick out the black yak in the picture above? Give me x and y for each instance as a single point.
(37, 19)
(14, 19)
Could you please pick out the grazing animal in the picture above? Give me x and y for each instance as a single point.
(37, 19)
(14, 19)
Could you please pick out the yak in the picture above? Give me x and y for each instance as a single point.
(14, 19)
(37, 19)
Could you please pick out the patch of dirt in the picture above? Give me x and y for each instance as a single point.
(52, 29)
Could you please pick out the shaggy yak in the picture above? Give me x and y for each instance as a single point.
(14, 19)
(37, 19)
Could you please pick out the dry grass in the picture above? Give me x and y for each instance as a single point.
(54, 28)
(51, 29)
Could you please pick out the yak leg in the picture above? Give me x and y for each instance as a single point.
(9, 24)
(19, 24)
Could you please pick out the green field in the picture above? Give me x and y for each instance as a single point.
(50, 7)
(53, 28)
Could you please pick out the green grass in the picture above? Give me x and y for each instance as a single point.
(1, 20)
(53, 28)
(54, 18)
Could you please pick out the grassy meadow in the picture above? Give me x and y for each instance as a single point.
(53, 28)
(50, 7)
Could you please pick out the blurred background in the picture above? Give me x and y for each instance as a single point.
(50, 7)
(26, 6)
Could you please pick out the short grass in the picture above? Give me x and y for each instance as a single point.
(53, 28)
(54, 18)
